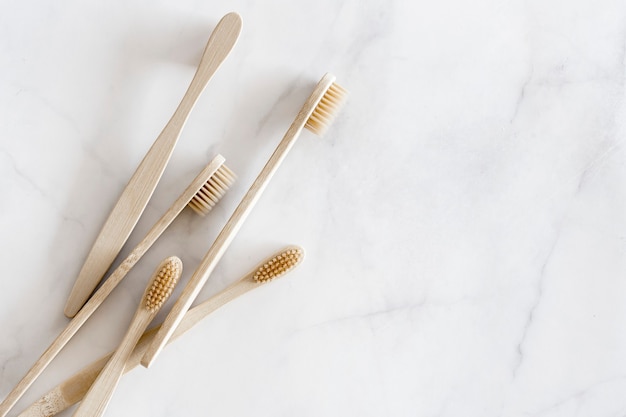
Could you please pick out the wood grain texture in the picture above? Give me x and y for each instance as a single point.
(72, 390)
(139, 189)
(159, 289)
(110, 284)
(229, 231)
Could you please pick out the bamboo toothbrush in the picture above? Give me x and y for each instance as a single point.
(135, 196)
(158, 291)
(316, 115)
(201, 195)
(74, 388)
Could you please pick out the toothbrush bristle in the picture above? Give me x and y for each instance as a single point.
(279, 265)
(326, 110)
(213, 190)
(163, 282)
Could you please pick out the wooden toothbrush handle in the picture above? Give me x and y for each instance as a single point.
(73, 389)
(229, 231)
(220, 43)
(223, 240)
(109, 285)
(95, 402)
(139, 189)
(57, 345)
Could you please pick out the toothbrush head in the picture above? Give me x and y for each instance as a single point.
(162, 284)
(212, 191)
(280, 264)
(328, 106)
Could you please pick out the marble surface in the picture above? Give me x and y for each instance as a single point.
(464, 218)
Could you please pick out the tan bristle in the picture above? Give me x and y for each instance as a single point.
(212, 191)
(326, 109)
(165, 278)
(279, 264)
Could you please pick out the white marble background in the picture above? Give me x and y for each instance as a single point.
(464, 218)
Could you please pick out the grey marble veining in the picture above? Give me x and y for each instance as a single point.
(464, 218)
